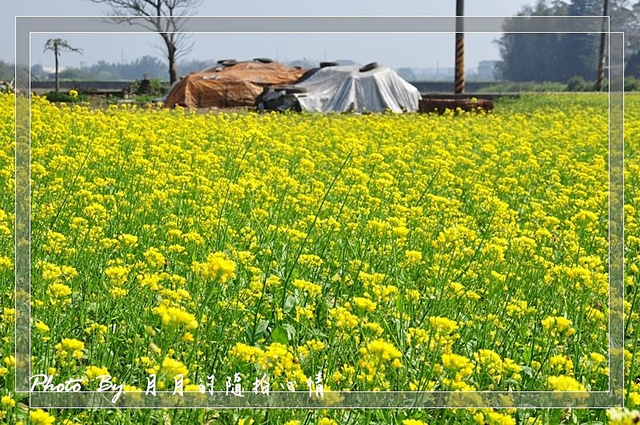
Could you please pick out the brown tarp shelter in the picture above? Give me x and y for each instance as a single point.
(230, 86)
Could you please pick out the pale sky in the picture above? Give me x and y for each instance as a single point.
(396, 50)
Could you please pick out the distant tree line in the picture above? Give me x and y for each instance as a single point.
(161, 16)
(561, 57)
(7, 71)
(150, 66)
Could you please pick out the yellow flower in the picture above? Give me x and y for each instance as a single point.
(174, 316)
(443, 325)
(497, 418)
(217, 266)
(128, 240)
(154, 257)
(623, 416)
(340, 317)
(8, 315)
(10, 361)
(382, 350)
(280, 360)
(311, 288)
(504, 203)
(118, 292)
(117, 275)
(412, 257)
(564, 383)
(558, 324)
(364, 304)
(58, 290)
(42, 327)
(413, 422)
(67, 344)
(246, 353)
(315, 345)
(561, 363)
(5, 263)
(7, 402)
(40, 417)
(172, 368)
(94, 372)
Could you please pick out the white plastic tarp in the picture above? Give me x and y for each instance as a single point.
(344, 88)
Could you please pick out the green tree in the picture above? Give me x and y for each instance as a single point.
(581, 50)
(548, 56)
(625, 17)
(521, 53)
(6, 71)
(559, 57)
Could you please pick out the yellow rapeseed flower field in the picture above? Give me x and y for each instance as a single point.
(388, 252)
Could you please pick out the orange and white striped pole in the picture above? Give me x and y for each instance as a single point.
(459, 83)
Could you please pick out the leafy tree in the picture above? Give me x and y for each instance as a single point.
(130, 70)
(57, 46)
(195, 66)
(6, 71)
(581, 50)
(633, 66)
(37, 72)
(407, 74)
(521, 53)
(74, 74)
(559, 57)
(625, 17)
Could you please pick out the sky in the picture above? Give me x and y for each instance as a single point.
(396, 50)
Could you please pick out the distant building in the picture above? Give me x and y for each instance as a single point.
(486, 70)
(52, 69)
(426, 74)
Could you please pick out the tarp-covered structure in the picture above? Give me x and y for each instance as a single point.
(352, 88)
(230, 85)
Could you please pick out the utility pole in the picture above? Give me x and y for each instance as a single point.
(459, 84)
(603, 39)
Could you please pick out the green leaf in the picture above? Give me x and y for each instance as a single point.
(253, 335)
(289, 303)
(262, 326)
(527, 371)
(291, 331)
(280, 335)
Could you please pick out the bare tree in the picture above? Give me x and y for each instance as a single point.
(161, 16)
(58, 45)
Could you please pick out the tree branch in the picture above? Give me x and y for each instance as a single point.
(166, 17)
